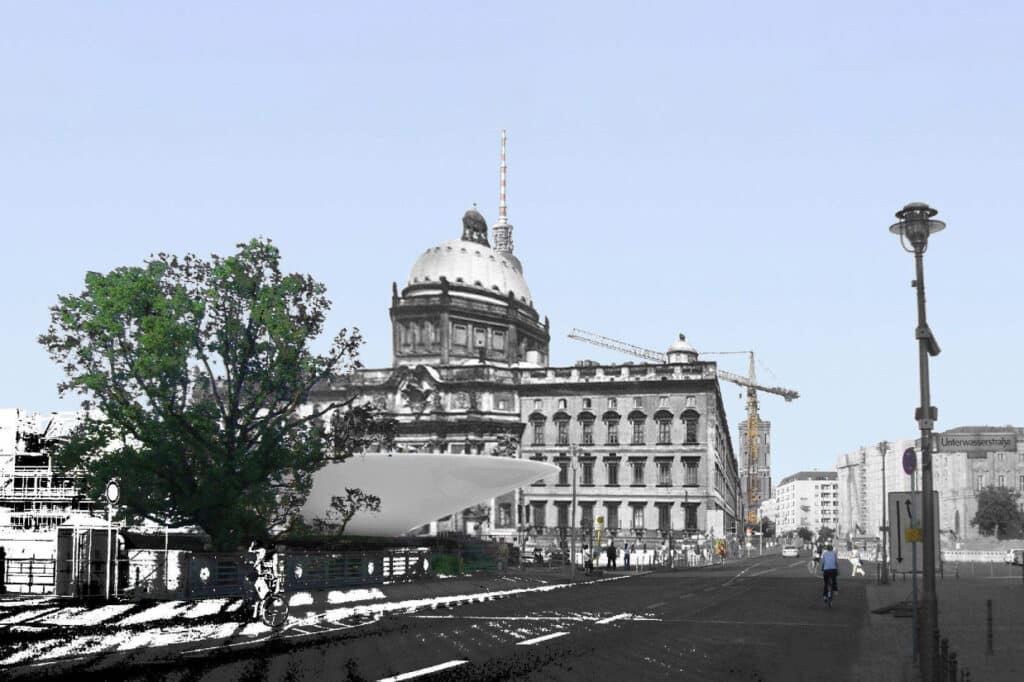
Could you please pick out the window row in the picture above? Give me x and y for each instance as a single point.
(638, 431)
(612, 403)
(1000, 481)
(633, 472)
(636, 516)
(425, 332)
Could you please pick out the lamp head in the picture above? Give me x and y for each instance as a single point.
(916, 225)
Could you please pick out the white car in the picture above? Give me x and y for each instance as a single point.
(1014, 556)
(790, 551)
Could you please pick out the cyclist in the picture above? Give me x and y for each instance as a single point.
(830, 570)
(263, 573)
(816, 557)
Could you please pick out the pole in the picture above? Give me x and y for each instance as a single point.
(106, 573)
(572, 526)
(885, 526)
(929, 632)
(916, 616)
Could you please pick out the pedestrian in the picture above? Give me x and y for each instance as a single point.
(855, 562)
(613, 555)
(588, 560)
(625, 556)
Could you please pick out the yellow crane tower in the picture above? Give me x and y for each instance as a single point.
(749, 382)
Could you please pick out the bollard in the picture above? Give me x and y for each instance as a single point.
(944, 653)
(952, 667)
(988, 644)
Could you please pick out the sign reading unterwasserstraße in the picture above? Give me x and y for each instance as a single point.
(977, 443)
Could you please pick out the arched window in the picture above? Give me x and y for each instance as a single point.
(637, 419)
(691, 419)
(664, 421)
(586, 420)
(537, 424)
(611, 421)
(561, 420)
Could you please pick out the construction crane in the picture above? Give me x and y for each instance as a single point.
(749, 382)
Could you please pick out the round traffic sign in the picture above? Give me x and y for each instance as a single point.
(909, 461)
(113, 491)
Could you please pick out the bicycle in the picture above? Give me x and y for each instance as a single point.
(828, 597)
(814, 567)
(272, 609)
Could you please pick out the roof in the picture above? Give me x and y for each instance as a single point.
(471, 264)
(809, 476)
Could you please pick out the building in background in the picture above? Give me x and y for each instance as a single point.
(957, 477)
(808, 499)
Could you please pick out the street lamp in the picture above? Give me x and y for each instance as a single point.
(882, 447)
(915, 226)
(572, 522)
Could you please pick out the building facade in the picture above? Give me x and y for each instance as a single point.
(956, 476)
(808, 499)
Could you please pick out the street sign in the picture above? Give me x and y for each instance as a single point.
(977, 444)
(113, 491)
(909, 461)
(905, 517)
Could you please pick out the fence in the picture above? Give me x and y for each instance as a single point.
(29, 576)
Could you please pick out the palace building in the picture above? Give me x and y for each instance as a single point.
(471, 374)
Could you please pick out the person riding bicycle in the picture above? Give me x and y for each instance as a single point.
(263, 573)
(830, 571)
(816, 556)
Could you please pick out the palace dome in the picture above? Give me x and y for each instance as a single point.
(471, 264)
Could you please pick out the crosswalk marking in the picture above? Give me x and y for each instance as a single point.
(424, 671)
(542, 638)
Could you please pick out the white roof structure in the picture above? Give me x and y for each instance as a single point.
(417, 488)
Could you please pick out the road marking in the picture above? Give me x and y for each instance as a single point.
(454, 616)
(655, 605)
(543, 638)
(611, 619)
(423, 671)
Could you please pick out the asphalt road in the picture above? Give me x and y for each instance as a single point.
(760, 619)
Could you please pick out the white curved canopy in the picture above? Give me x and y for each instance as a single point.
(416, 488)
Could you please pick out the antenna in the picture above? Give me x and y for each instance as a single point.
(502, 203)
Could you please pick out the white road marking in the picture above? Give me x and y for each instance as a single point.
(612, 619)
(542, 638)
(424, 671)
(453, 616)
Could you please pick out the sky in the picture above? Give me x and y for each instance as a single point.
(726, 170)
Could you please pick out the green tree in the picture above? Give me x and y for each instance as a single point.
(998, 513)
(767, 527)
(199, 368)
(343, 508)
(826, 533)
(804, 533)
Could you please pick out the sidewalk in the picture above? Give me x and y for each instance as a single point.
(886, 643)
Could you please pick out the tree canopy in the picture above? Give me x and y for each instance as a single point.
(198, 370)
(804, 533)
(998, 513)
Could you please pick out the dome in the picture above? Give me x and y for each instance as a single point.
(471, 264)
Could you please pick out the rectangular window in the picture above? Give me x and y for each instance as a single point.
(664, 517)
(691, 472)
(691, 430)
(505, 515)
(691, 516)
(1020, 482)
(613, 472)
(664, 432)
(480, 340)
(999, 456)
(563, 433)
(613, 433)
(664, 473)
(586, 403)
(1002, 481)
(539, 514)
(691, 401)
(979, 481)
(563, 473)
(638, 517)
(611, 516)
(537, 403)
(498, 340)
(613, 403)
(638, 432)
(588, 473)
(638, 402)
(459, 335)
(586, 514)
(663, 401)
(588, 433)
(563, 516)
(638, 472)
(538, 433)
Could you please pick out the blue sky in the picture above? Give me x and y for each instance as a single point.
(727, 170)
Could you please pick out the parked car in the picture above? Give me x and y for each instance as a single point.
(790, 551)
(1014, 556)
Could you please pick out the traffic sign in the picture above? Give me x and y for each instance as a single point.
(113, 491)
(905, 516)
(909, 461)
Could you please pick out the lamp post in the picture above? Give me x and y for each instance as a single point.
(882, 447)
(572, 521)
(915, 226)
